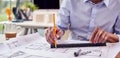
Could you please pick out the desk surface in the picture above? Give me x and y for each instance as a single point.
(34, 45)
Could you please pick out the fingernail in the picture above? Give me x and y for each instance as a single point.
(57, 36)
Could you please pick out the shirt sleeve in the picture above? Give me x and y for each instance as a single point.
(117, 27)
(63, 20)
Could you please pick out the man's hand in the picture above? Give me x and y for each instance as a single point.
(50, 34)
(101, 36)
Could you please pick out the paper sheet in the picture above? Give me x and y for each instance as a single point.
(114, 48)
(3, 48)
(22, 40)
(97, 52)
(35, 46)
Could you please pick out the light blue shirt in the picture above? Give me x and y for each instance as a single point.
(82, 16)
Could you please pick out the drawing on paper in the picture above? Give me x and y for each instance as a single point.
(35, 56)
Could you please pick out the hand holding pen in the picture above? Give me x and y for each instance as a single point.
(50, 34)
(53, 33)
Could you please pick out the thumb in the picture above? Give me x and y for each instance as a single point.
(59, 33)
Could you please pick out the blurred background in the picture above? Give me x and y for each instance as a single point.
(28, 10)
(5, 4)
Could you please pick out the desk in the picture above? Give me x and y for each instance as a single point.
(35, 46)
(29, 25)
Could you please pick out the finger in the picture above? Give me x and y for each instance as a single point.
(111, 40)
(49, 36)
(102, 38)
(98, 33)
(93, 34)
(52, 35)
(114, 37)
(59, 33)
(109, 37)
(49, 41)
(105, 39)
(46, 33)
(95, 38)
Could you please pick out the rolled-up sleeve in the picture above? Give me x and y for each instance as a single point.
(63, 19)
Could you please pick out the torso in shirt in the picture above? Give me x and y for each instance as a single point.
(84, 17)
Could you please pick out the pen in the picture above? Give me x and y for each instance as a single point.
(55, 44)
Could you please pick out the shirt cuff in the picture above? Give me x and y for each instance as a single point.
(118, 37)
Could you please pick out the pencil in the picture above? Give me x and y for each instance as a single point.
(55, 43)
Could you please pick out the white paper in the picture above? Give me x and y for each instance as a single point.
(35, 46)
(96, 52)
(114, 49)
(28, 38)
(3, 48)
